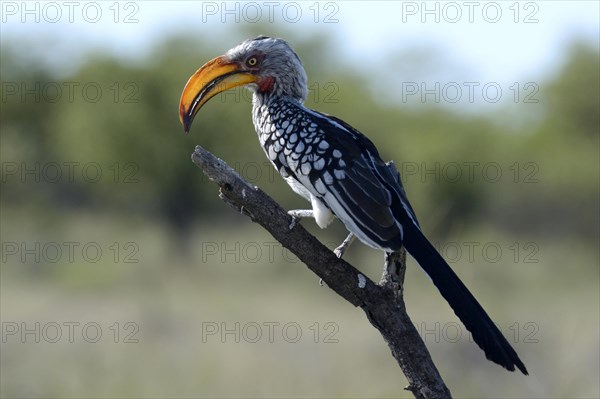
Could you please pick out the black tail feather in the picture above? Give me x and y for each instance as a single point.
(469, 311)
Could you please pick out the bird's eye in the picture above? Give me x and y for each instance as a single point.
(252, 61)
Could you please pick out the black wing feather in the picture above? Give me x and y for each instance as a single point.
(372, 194)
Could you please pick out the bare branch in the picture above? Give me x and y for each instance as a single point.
(383, 303)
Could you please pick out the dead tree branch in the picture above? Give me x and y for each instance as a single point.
(383, 303)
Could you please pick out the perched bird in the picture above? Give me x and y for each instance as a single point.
(336, 168)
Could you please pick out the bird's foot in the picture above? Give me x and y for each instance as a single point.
(293, 223)
(299, 214)
(339, 251)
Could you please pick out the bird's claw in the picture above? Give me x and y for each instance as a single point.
(341, 249)
(293, 222)
(299, 214)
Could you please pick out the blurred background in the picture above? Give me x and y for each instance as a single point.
(124, 275)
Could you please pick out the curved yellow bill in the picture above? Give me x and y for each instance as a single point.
(215, 76)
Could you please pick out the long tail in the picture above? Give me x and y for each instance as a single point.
(469, 311)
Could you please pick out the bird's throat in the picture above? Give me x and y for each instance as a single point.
(266, 84)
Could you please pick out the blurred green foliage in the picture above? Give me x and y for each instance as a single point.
(132, 131)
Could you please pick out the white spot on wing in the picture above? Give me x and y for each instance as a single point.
(272, 153)
(339, 174)
(320, 187)
(305, 169)
(282, 159)
(319, 164)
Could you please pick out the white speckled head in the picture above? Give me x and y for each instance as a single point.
(278, 66)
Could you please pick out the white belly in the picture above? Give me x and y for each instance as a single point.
(323, 215)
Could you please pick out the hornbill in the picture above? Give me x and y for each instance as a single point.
(336, 168)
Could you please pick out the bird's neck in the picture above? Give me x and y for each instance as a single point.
(266, 98)
(266, 113)
(265, 103)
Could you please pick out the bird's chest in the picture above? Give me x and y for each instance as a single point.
(293, 144)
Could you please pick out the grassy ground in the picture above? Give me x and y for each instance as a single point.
(230, 314)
